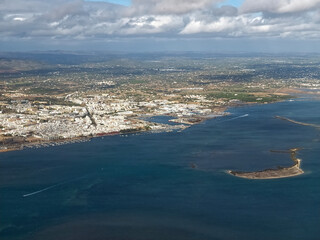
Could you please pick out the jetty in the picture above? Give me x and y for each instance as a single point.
(297, 122)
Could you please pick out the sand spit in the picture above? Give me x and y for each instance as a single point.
(280, 172)
(296, 122)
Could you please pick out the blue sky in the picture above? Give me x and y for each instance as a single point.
(235, 3)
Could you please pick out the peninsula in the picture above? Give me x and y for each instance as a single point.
(280, 172)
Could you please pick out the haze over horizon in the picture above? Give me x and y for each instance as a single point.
(160, 25)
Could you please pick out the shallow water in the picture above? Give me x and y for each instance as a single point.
(142, 186)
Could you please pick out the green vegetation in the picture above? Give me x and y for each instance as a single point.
(131, 130)
(235, 96)
(134, 130)
(52, 101)
(247, 97)
(42, 90)
(275, 98)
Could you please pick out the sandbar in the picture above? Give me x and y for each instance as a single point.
(297, 122)
(280, 172)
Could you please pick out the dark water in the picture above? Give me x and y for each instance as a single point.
(142, 186)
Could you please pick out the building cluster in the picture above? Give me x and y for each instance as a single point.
(91, 115)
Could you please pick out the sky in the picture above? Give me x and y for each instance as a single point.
(160, 25)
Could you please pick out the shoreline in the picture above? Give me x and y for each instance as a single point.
(280, 172)
(44, 143)
(52, 143)
(188, 121)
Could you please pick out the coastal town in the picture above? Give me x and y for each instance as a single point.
(94, 115)
(61, 103)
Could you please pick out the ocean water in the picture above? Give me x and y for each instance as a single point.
(142, 186)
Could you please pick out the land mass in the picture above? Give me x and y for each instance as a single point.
(60, 99)
(280, 172)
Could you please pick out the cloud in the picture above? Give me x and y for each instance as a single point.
(222, 24)
(171, 6)
(62, 10)
(279, 6)
(79, 19)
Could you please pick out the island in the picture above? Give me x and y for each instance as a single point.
(280, 172)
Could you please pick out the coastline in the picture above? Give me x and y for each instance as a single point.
(50, 143)
(281, 172)
(44, 143)
(186, 121)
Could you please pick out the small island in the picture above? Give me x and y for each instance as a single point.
(280, 172)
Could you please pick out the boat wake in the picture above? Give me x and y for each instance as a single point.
(42, 190)
(231, 119)
(53, 186)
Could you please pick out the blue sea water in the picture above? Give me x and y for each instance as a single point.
(142, 186)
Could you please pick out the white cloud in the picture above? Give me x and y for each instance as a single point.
(222, 24)
(171, 6)
(279, 6)
(169, 19)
